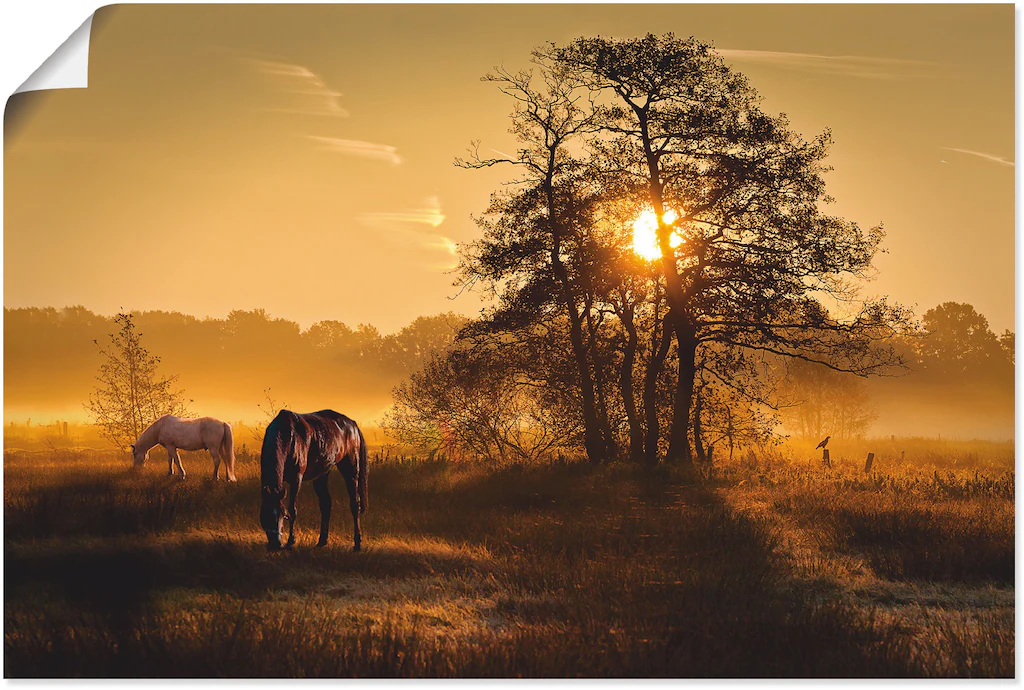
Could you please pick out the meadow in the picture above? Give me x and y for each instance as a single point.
(774, 566)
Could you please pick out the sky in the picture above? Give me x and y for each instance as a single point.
(299, 158)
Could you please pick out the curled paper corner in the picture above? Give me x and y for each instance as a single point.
(68, 67)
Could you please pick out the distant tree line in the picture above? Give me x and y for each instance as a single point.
(514, 402)
(953, 359)
(51, 358)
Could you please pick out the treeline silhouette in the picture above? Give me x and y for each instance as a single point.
(959, 383)
(224, 365)
(959, 380)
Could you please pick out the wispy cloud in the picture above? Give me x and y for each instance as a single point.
(836, 65)
(979, 154)
(309, 94)
(363, 149)
(408, 227)
(426, 216)
(430, 215)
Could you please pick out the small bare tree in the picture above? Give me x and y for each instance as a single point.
(270, 408)
(131, 393)
(476, 403)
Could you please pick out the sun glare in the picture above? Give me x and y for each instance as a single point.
(645, 234)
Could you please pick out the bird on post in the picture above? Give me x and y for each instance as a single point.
(823, 443)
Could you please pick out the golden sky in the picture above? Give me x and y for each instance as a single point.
(299, 158)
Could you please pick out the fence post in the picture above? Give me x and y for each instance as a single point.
(867, 465)
(825, 459)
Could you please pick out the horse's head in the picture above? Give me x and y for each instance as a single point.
(139, 456)
(272, 515)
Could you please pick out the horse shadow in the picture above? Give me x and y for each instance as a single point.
(121, 580)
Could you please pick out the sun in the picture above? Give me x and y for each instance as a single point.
(645, 234)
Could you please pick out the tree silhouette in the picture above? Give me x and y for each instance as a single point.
(131, 393)
(478, 401)
(747, 260)
(538, 230)
(757, 258)
(958, 343)
(270, 408)
(826, 402)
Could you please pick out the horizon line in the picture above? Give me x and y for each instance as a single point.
(272, 317)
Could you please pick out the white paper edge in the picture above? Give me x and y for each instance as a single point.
(67, 68)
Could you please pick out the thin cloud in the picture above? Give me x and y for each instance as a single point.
(425, 216)
(979, 154)
(310, 95)
(837, 65)
(407, 228)
(363, 149)
(430, 215)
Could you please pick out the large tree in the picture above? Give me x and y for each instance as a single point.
(747, 256)
(743, 257)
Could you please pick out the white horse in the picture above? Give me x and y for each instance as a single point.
(174, 434)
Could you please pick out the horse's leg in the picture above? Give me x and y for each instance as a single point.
(349, 473)
(216, 463)
(170, 460)
(322, 492)
(177, 461)
(293, 494)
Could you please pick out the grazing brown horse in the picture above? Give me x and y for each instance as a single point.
(309, 446)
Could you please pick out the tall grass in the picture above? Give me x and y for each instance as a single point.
(560, 570)
(913, 538)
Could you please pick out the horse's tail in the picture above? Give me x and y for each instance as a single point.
(363, 472)
(227, 451)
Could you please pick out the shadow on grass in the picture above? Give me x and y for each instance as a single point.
(123, 579)
(599, 572)
(937, 541)
(119, 504)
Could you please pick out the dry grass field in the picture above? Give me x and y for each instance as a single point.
(773, 567)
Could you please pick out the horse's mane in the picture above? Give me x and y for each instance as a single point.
(147, 439)
(277, 441)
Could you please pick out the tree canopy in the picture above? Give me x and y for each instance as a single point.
(743, 255)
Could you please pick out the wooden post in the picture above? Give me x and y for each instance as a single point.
(65, 429)
(825, 458)
(867, 465)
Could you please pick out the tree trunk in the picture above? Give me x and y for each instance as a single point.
(675, 295)
(679, 450)
(636, 432)
(698, 441)
(604, 427)
(592, 437)
(592, 440)
(651, 377)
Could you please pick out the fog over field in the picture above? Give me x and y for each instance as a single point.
(959, 383)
